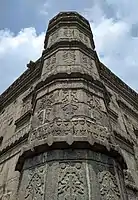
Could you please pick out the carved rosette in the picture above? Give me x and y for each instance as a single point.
(108, 186)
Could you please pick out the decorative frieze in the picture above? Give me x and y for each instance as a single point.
(76, 127)
(43, 109)
(46, 111)
(70, 34)
(73, 104)
(70, 174)
(17, 137)
(69, 61)
(96, 102)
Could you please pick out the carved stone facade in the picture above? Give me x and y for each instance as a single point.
(68, 125)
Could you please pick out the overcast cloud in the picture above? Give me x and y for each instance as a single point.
(114, 24)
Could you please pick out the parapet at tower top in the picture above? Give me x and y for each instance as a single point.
(68, 16)
(69, 19)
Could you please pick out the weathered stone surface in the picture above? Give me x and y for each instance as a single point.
(71, 174)
(68, 125)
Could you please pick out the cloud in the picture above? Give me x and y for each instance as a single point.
(116, 36)
(45, 8)
(16, 51)
(115, 27)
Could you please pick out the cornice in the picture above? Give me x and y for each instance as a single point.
(21, 83)
(37, 148)
(115, 82)
(68, 44)
(125, 107)
(124, 143)
(64, 19)
(69, 17)
(20, 136)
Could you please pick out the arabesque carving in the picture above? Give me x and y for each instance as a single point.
(69, 102)
(44, 107)
(77, 127)
(50, 65)
(71, 182)
(108, 186)
(68, 32)
(88, 66)
(6, 196)
(54, 37)
(4, 193)
(35, 187)
(69, 57)
(129, 181)
(82, 37)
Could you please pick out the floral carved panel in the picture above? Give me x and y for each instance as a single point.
(71, 183)
(35, 187)
(108, 186)
(69, 101)
(69, 57)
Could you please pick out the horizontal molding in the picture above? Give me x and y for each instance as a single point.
(115, 82)
(23, 119)
(127, 108)
(17, 138)
(124, 143)
(27, 78)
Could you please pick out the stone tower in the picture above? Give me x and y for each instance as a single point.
(69, 126)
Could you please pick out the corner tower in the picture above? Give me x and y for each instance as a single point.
(69, 46)
(71, 153)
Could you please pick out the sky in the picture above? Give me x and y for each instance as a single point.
(114, 23)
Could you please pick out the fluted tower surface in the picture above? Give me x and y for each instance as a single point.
(71, 152)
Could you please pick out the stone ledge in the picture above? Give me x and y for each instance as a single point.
(23, 119)
(19, 136)
(115, 82)
(37, 148)
(20, 84)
